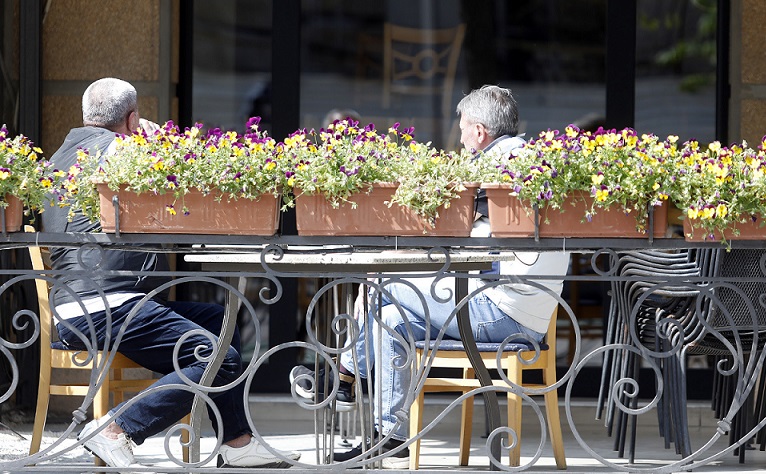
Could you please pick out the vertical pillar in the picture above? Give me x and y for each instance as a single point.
(30, 69)
(620, 63)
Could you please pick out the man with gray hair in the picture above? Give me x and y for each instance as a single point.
(489, 124)
(489, 120)
(116, 307)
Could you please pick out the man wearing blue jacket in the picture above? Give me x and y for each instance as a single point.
(152, 328)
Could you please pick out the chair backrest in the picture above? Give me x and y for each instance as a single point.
(550, 335)
(39, 256)
(740, 263)
(421, 61)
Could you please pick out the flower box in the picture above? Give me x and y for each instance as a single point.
(14, 214)
(149, 213)
(509, 218)
(747, 231)
(373, 216)
(27, 181)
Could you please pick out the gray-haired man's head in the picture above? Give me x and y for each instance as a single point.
(108, 102)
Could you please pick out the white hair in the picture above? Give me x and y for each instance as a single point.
(107, 102)
(494, 107)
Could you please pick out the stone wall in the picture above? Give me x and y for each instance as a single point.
(748, 72)
(84, 40)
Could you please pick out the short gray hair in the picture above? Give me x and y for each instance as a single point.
(494, 107)
(107, 102)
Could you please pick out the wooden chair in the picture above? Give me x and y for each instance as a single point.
(452, 355)
(421, 62)
(53, 355)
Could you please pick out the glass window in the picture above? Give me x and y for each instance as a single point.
(9, 62)
(231, 82)
(232, 63)
(389, 62)
(675, 68)
(551, 53)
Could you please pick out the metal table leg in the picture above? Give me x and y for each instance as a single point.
(482, 374)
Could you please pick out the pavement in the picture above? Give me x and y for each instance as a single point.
(285, 425)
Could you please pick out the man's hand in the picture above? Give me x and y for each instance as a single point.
(148, 126)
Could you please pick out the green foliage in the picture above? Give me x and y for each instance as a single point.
(173, 162)
(23, 174)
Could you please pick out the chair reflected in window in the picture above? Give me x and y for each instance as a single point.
(422, 62)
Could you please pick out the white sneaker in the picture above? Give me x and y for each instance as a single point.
(114, 452)
(254, 455)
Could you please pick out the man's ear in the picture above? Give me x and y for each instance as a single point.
(482, 137)
(132, 121)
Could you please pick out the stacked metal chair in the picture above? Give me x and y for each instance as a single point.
(735, 334)
(712, 302)
(653, 289)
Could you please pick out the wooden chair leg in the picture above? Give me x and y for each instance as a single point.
(466, 424)
(117, 395)
(101, 401)
(416, 425)
(466, 427)
(554, 420)
(185, 436)
(514, 409)
(41, 412)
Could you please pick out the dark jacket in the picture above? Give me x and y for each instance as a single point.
(54, 219)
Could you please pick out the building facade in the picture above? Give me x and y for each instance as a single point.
(696, 69)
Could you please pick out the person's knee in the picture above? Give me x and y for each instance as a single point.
(392, 316)
(231, 367)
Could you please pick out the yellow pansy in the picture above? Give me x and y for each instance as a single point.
(602, 195)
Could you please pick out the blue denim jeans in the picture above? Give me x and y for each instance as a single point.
(149, 339)
(488, 324)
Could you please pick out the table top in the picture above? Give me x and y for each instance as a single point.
(340, 260)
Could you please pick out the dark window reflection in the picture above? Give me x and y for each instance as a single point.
(551, 53)
(675, 68)
(232, 63)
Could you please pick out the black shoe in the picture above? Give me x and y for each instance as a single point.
(305, 384)
(397, 460)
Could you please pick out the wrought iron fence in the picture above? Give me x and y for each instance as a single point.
(669, 299)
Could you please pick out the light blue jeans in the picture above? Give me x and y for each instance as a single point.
(488, 324)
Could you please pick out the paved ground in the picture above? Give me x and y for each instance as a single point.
(287, 426)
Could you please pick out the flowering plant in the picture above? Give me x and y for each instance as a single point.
(719, 187)
(173, 162)
(614, 168)
(346, 159)
(430, 179)
(341, 160)
(23, 174)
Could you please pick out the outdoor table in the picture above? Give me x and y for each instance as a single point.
(333, 261)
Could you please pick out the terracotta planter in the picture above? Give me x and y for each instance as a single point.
(372, 216)
(508, 218)
(147, 213)
(747, 231)
(14, 214)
